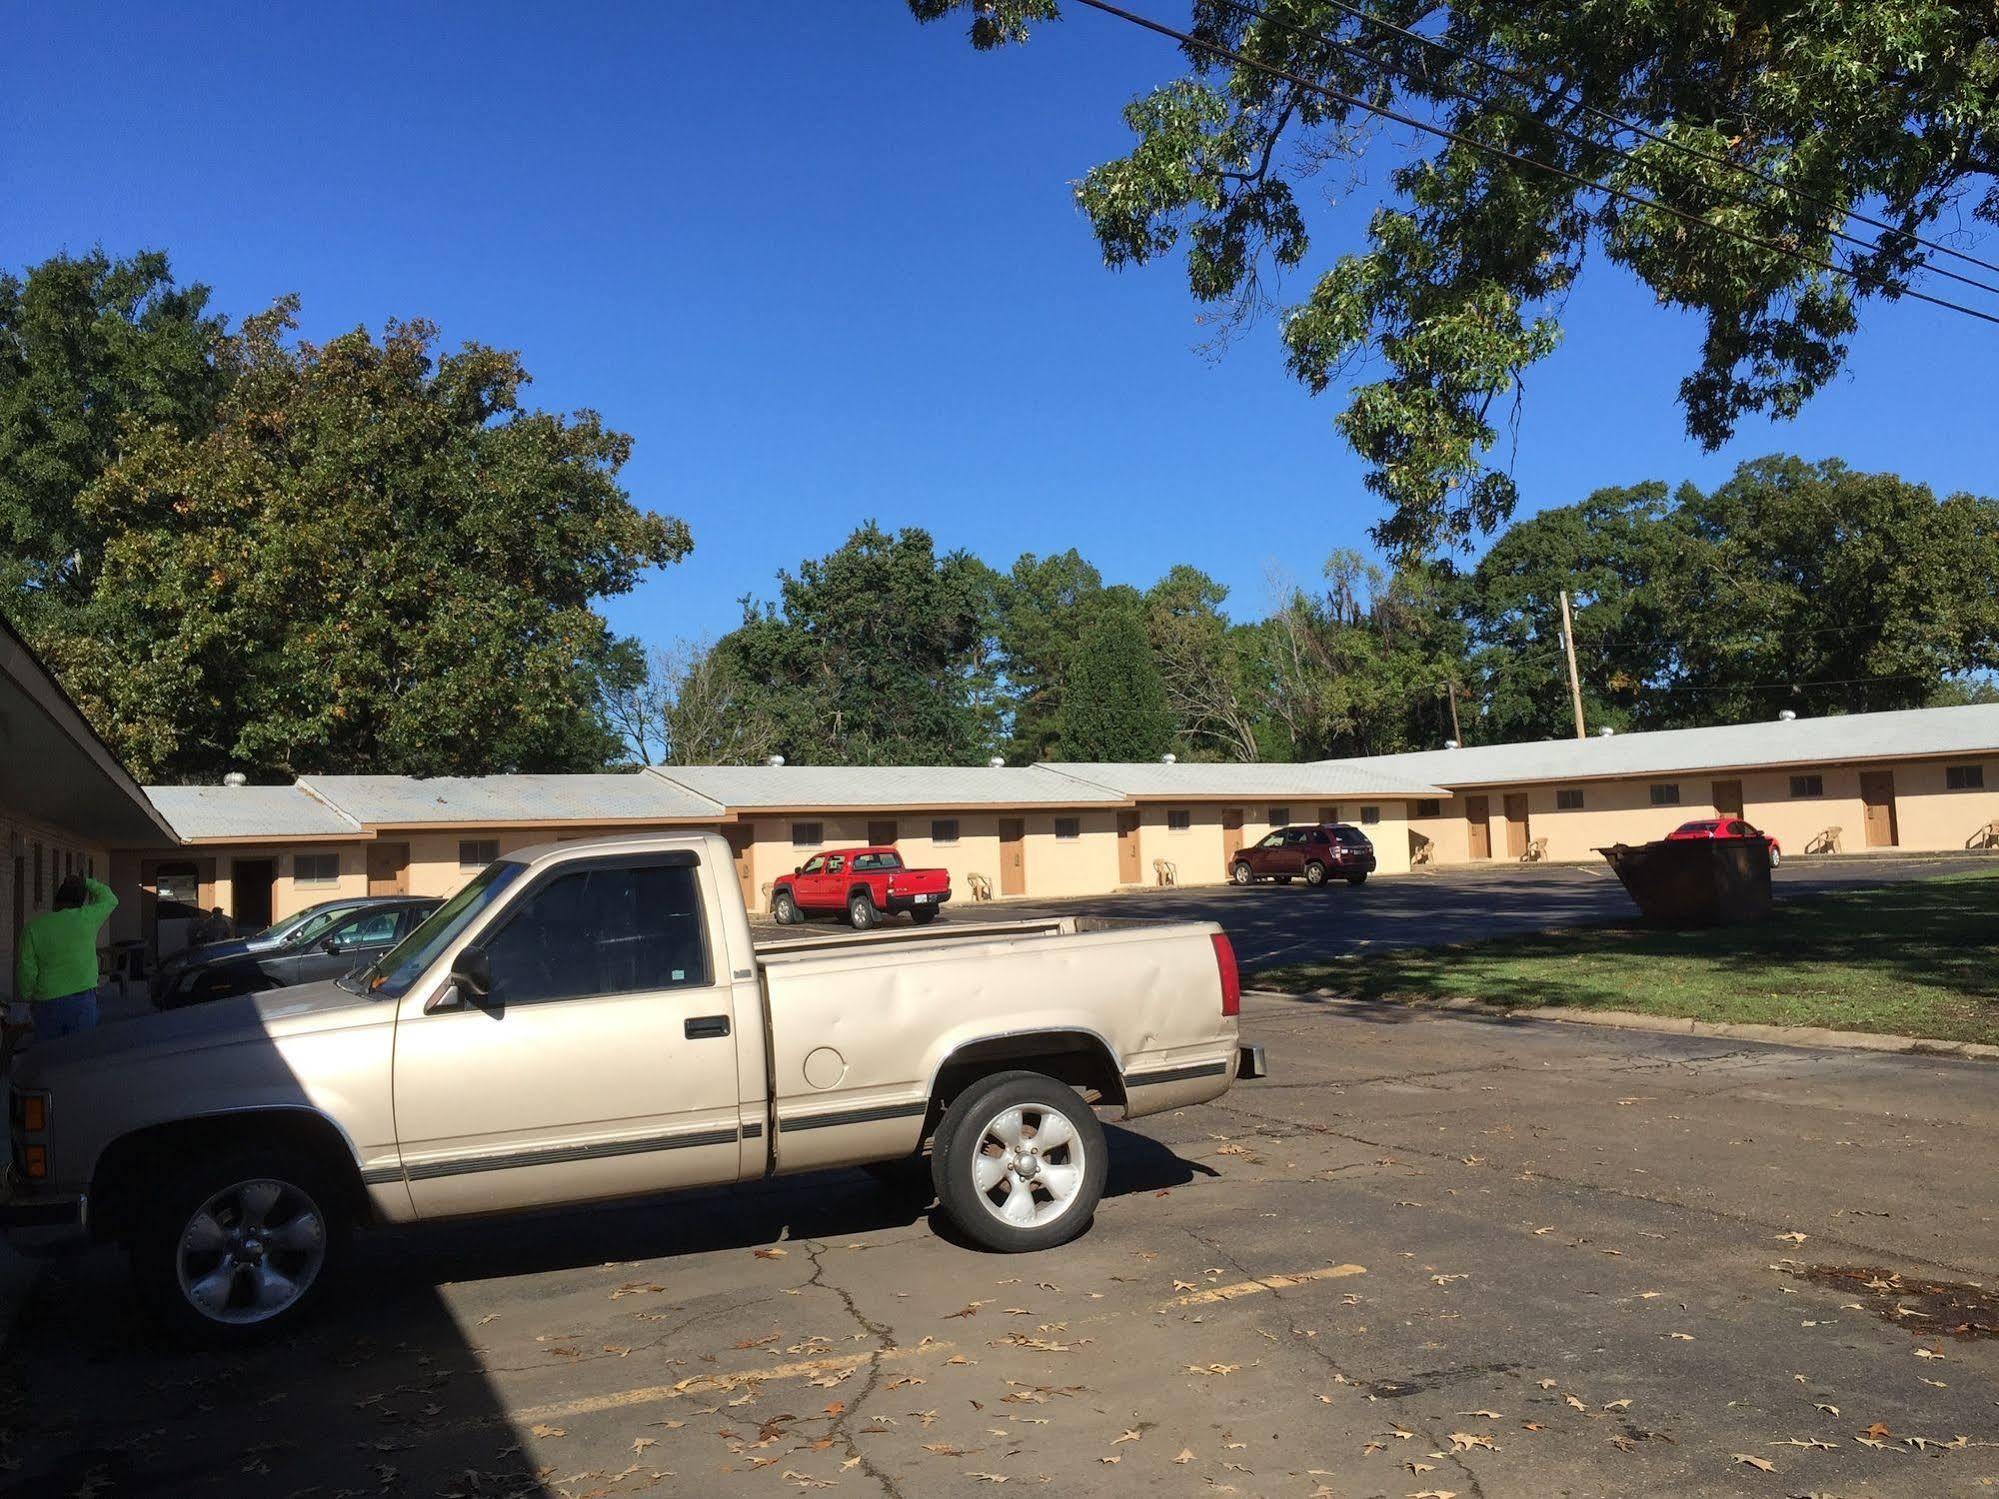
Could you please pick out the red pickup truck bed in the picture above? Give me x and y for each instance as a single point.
(865, 883)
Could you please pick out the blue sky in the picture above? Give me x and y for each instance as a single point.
(822, 263)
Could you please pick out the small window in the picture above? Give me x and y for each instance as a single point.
(1666, 793)
(1178, 820)
(1964, 777)
(835, 863)
(814, 865)
(315, 869)
(1275, 840)
(372, 929)
(477, 853)
(1279, 816)
(602, 931)
(1569, 799)
(1369, 816)
(880, 861)
(807, 834)
(1429, 807)
(944, 830)
(1807, 785)
(1068, 829)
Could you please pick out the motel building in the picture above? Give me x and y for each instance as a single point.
(1924, 779)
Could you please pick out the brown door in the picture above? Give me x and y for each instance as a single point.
(250, 882)
(1231, 834)
(740, 837)
(1877, 790)
(1329, 814)
(1127, 848)
(388, 869)
(1516, 824)
(1728, 798)
(882, 834)
(1013, 856)
(1478, 828)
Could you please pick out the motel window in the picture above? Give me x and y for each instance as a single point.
(944, 830)
(1178, 820)
(807, 834)
(1279, 816)
(1370, 816)
(315, 869)
(1807, 785)
(1666, 794)
(1068, 829)
(1429, 807)
(477, 853)
(1964, 777)
(1569, 799)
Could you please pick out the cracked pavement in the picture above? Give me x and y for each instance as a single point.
(1430, 1255)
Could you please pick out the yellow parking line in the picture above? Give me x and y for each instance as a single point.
(1268, 1283)
(710, 1384)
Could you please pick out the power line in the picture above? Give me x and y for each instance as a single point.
(1459, 138)
(1618, 123)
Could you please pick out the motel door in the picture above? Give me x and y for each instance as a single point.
(1516, 825)
(1013, 856)
(1231, 834)
(388, 869)
(1127, 848)
(739, 839)
(1728, 798)
(1877, 791)
(1478, 827)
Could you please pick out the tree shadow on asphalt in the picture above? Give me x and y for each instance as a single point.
(384, 1390)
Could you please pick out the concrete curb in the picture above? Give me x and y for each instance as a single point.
(1816, 1036)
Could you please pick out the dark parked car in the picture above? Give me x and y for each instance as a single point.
(340, 938)
(1315, 853)
(299, 926)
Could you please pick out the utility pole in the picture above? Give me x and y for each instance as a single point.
(1451, 687)
(1575, 683)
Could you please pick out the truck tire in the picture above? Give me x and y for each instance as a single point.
(1242, 874)
(1018, 1162)
(923, 915)
(1776, 856)
(233, 1249)
(784, 909)
(1315, 873)
(861, 913)
(1358, 877)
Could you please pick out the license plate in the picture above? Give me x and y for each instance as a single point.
(923, 899)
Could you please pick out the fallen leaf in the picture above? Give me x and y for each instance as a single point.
(1464, 1441)
(1617, 1405)
(639, 1444)
(1792, 1238)
(1761, 1464)
(988, 1477)
(1928, 1353)
(1486, 1415)
(1186, 1456)
(1129, 1436)
(545, 1431)
(1572, 1401)
(1830, 1410)
(1546, 1384)
(772, 1254)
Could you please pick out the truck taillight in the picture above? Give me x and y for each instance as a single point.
(1231, 978)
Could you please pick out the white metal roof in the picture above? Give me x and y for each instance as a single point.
(1972, 730)
(833, 786)
(198, 812)
(389, 801)
(1332, 779)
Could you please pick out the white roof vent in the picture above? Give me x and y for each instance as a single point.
(997, 762)
(1168, 759)
(1786, 715)
(1606, 732)
(775, 760)
(235, 778)
(1450, 744)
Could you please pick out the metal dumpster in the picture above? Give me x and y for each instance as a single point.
(1695, 881)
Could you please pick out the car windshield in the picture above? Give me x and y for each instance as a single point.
(390, 976)
(281, 931)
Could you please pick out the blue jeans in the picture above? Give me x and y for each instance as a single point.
(56, 1018)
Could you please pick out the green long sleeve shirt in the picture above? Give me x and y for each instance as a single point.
(58, 953)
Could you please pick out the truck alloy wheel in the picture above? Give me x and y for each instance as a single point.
(1020, 1162)
(251, 1251)
(784, 910)
(860, 911)
(1242, 874)
(1315, 874)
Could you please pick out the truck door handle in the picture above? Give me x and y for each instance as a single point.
(703, 1026)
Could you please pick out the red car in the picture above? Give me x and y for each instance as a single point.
(1727, 827)
(863, 882)
(1314, 853)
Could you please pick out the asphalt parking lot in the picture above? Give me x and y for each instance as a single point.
(1429, 1256)
(1272, 924)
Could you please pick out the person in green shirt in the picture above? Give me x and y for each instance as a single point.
(56, 968)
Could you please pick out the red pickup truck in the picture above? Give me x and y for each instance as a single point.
(863, 882)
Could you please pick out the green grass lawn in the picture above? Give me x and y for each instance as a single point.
(1919, 958)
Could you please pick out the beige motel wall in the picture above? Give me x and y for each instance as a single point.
(1913, 807)
(34, 858)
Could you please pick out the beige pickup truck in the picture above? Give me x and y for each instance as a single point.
(589, 1021)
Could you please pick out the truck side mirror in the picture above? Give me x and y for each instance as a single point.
(472, 972)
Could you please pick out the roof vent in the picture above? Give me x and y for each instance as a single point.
(1786, 715)
(775, 760)
(997, 762)
(1450, 744)
(1606, 732)
(235, 778)
(1168, 759)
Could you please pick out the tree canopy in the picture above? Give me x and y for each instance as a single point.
(286, 557)
(1717, 151)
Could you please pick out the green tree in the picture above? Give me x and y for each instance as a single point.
(1764, 127)
(375, 559)
(1043, 604)
(1115, 708)
(89, 346)
(876, 654)
(1208, 667)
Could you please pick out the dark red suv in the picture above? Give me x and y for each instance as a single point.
(1315, 854)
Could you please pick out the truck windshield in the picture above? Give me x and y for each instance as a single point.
(390, 976)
